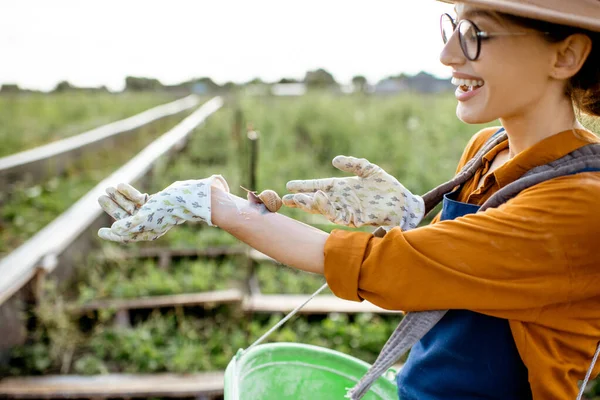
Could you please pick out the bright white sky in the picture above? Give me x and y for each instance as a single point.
(93, 42)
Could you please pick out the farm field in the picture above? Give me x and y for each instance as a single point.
(416, 138)
(27, 209)
(28, 120)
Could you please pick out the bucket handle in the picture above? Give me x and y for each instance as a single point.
(390, 374)
(241, 352)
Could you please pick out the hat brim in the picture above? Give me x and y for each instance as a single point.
(583, 14)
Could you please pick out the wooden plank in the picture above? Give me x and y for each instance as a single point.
(19, 266)
(32, 162)
(113, 385)
(230, 296)
(321, 304)
(261, 303)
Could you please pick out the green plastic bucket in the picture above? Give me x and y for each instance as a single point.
(277, 371)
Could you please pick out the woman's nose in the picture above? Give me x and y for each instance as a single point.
(451, 53)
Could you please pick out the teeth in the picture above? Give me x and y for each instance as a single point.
(466, 82)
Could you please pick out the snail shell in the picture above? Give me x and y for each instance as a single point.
(268, 197)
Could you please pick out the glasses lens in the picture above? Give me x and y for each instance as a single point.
(469, 41)
(447, 27)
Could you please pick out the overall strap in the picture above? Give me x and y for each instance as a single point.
(434, 196)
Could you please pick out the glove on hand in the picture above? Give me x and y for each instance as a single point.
(372, 197)
(142, 221)
(122, 201)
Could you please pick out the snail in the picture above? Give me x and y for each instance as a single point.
(268, 197)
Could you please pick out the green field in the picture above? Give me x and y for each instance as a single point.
(32, 119)
(416, 138)
(27, 209)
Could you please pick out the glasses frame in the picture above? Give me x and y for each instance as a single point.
(478, 33)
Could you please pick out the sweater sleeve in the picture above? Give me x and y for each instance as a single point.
(536, 250)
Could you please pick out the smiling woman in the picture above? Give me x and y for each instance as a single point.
(502, 286)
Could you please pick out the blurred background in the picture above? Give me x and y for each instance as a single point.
(261, 92)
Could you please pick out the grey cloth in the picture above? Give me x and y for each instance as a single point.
(415, 325)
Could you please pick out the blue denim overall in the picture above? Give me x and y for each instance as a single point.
(467, 355)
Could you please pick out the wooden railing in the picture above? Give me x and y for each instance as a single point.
(41, 162)
(43, 249)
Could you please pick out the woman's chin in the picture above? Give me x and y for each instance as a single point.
(470, 116)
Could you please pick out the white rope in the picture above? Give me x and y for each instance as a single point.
(290, 315)
(589, 372)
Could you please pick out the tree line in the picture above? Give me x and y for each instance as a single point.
(316, 79)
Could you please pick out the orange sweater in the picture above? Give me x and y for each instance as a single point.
(533, 260)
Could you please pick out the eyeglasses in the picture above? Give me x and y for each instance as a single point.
(470, 36)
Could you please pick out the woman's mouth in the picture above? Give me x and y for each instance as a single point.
(467, 88)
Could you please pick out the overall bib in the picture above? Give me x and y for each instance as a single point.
(466, 355)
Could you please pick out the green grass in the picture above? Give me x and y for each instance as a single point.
(418, 139)
(132, 278)
(27, 209)
(33, 119)
(181, 343)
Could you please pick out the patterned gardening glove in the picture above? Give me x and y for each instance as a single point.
(372, 197)
(122, 201)
(139, 220)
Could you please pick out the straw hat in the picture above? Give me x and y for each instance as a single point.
(580, 13)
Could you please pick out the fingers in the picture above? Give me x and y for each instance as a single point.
(323, 205)
(288, 201)
(121, 200)
(111, 208)
(315, 203)
(138, 198)
(304, 201)
(109, 234)
(358, 166)
(312, 185)
(133, 229)
(130, 225)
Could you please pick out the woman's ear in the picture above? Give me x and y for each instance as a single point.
(571, 54)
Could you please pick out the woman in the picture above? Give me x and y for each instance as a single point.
(519, 275)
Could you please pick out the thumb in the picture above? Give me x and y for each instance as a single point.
(360, 167)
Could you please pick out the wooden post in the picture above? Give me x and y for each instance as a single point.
(253, 135)
(122, 319)
(236, 131)
(164, 260)
(254, 139)
(237, 151)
